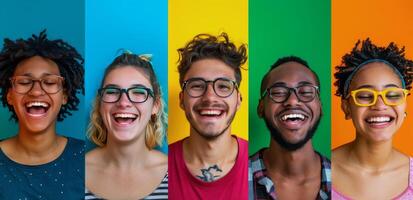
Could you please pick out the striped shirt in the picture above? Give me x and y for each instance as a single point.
(161, 192)
(262, 187)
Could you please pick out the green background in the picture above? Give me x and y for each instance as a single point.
(284, 28)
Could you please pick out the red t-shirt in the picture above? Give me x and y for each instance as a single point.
(182, 185)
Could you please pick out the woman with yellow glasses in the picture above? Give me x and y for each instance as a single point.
(373, 83)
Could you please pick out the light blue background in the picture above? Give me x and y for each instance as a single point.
(63, 20)
(138, 26)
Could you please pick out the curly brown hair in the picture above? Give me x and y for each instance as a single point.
(208, 46)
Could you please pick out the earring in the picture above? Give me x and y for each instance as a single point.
(153, 117)
(405, 114)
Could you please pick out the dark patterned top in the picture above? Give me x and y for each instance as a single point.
(62, 178)
(260, 185)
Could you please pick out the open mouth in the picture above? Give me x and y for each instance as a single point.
(293, 117)
(379, 120)
(293, 120)
(125, 118)
(37, 108)
(212, 113)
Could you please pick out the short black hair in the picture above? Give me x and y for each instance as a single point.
(283, 60)
(208, 46)
(68, 60)
(365, 50)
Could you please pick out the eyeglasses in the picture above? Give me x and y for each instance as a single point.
(196, 87)
(368, 97)
(51, 84)
(280, 94)
(137, 94)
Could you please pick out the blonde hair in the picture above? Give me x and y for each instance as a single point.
(155, 129)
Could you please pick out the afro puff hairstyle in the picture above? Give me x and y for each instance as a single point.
(368, 51)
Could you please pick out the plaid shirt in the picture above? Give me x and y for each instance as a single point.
(260, 185)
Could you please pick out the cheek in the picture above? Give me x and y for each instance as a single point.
(104, 112)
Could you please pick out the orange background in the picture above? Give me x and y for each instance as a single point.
(383, 21)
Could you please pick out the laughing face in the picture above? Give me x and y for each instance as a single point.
(378, 122)
(35, 108)
(210, 115)
(292, 123)
(126, 121)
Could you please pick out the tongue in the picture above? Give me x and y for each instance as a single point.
(37, 110)
(124, 120)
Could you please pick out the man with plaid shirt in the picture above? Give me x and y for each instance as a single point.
(290, 105)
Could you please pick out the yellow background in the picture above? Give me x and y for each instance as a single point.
(187, 18)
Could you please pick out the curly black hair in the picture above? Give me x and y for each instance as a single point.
(368, 51)
(283, 60)
(68, 60)
(208, 46)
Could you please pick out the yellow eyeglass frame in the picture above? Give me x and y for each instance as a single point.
(376, 94)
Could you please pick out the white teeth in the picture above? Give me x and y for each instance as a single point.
(293, 116)
(37, 103)
(378, 119)
(210, 112)
(125, 115)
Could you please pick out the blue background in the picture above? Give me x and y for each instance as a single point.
(63, 20)
(138, 26)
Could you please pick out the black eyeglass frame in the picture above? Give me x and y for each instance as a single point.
(294, 89)
(126, 91)
(185, 83)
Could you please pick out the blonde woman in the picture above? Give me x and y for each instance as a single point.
(127, 122)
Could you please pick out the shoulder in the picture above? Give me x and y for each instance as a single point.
(158, 158)
(176, 146)
(93, 156)
(75, 144)
(339, 154)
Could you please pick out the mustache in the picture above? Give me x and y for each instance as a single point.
(209, 105)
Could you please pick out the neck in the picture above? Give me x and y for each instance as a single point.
(37, 144)
(300, 162)
(210, 151)
(126, 155)
(372, 155)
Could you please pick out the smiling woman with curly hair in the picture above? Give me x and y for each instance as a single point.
(39, 81)
(373, 83)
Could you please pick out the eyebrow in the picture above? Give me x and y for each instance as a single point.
(301, 83)
(42, 75)
(371, 86)
(133, 85)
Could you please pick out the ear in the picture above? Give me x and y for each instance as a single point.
(345, 107)
(9, 98)
(156, 106)
(260, 108)
(239, 100)
(65, 97)
(181, 100)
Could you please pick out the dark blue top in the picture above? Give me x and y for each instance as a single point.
(62, 178)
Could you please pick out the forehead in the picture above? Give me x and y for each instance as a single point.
(210, 69)
(36, 66)
(377, 75)
(127, 76)
(291, 74)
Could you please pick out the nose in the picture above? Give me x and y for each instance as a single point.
(36, 89)
(209, 92)
(292, 99)
(379, 105)
(124, 100)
